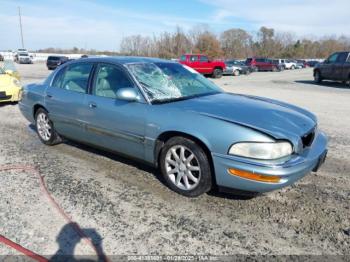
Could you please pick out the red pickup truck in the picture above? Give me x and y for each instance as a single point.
(203, 65)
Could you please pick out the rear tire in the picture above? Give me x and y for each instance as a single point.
(45, 129)
(185, 167)
(217, 73)
(292, 67)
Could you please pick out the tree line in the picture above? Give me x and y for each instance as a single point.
(232, 43)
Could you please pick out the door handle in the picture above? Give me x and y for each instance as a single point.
(92, 105)
(48, 95)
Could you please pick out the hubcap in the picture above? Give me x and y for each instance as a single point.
(182, 167)
(43, 126)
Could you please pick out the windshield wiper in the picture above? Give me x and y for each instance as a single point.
(175, 99)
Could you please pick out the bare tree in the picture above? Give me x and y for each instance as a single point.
(236, 43)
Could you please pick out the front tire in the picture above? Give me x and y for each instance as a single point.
(45, 128)
(318, 77)
(236, 73)
(185, 167)
(217, 73)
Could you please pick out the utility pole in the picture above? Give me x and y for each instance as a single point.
(20, 25)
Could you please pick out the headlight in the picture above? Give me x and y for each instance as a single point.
(16, 82)
(264, 151)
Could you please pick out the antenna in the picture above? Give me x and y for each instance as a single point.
(20, 25)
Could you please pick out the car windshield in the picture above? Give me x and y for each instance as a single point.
(165, 82)
(9, 65)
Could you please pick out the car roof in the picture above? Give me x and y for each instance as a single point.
(123, 60)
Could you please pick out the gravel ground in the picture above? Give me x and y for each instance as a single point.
(123, 206)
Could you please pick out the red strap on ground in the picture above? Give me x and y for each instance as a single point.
(21, 249)
(76, 227)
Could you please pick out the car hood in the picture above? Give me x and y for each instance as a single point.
(277, 119)
(6, 81)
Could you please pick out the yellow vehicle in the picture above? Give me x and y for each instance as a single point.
(10, 87)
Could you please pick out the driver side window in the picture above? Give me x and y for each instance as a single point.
(109, 79)
(333, 58)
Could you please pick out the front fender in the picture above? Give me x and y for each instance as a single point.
(217, 135)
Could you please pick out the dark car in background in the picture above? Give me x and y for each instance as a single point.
(54, 61)
(312, 63)
(263, 64)
(1, 58)
(236, 67)
(336, 67)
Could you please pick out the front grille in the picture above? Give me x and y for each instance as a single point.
(308, 138)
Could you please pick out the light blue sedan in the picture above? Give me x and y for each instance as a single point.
(171, 117)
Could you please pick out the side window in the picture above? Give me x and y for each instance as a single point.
(342, 57)
(183, 58)
(76, 77)
(194, 58)
(58, 80)
(204, 59)
(109, 79)
(333, 58)
(348, 61)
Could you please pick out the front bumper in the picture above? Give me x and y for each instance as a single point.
(10, 95)
(290, 171)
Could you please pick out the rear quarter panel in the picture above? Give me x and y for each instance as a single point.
(32, 95)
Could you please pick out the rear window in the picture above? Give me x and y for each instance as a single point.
(54, 58)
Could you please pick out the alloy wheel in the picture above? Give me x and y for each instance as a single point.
(43, 126)
(182, 167)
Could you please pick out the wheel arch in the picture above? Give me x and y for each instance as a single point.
(36, 108)
(317, 70)
(165, 136)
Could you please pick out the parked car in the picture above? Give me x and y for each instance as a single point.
(10, 87)
(336, 67)
(23, 58)
(235, 67)
(1, 58)
(263, 64)
(10, 69)
(168, 115)
(312, 63)
(299, 65)
(290, 64)
(53, 62)
(303, 63)
(203, 65)
(279, 63)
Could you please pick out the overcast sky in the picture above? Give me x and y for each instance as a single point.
(101, 24)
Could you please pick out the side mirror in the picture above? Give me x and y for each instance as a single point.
(127, 94)
(326, 61)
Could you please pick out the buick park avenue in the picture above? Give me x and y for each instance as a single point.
(168, 115)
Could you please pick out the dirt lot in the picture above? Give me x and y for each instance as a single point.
(125, 207)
